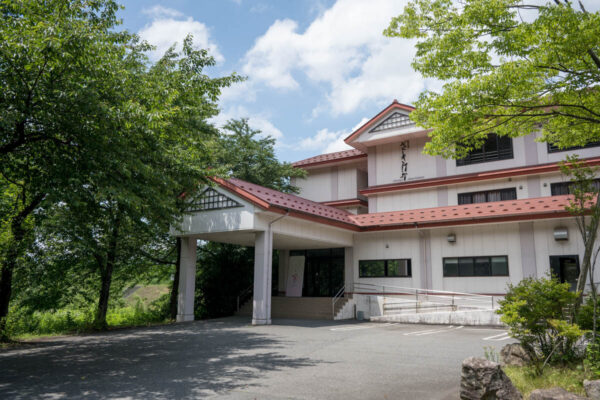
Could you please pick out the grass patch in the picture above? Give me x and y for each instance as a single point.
(569, 378)
(146, 294)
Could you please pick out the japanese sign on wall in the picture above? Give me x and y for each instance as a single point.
(404, 165)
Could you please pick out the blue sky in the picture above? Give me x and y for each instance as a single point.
(316, 68)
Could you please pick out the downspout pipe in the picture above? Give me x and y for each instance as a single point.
(270, 238)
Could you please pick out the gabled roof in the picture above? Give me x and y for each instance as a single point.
(329, 158)
(273, 200)
(372, 122)
(498, 211)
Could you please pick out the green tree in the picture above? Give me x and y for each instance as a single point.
(585, 206)
(87, 124)
(56, 58)
(249, 157)
(507, 67)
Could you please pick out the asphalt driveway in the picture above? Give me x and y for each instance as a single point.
(230, 359)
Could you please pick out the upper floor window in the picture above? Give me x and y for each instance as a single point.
(560, 188)
(487, 196)
(552, 148)
(494, 148)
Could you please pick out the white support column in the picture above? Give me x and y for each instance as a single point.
(263, 267)
(349, 269)
(187, 280)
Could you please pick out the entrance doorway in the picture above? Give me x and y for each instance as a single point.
(323, 271)
(566, 268)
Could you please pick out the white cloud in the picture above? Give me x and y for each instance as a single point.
(169, 26)
(256, 121)
(326, 141)
(344, 49)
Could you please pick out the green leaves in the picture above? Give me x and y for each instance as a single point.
(507, 68)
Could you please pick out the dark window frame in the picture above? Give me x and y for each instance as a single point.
(504, 151)
(554, 187)
(464, 196)
(386, 269)
(474, 258)
(552, 148)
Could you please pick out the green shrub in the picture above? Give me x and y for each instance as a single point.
(592, 357)
(537, 314)
(585, 315)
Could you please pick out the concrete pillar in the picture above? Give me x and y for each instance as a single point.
(263, 267)
(187, 280)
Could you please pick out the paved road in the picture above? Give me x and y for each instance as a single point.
(229, 359)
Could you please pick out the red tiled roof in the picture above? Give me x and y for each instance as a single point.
(499, 211)
(541, 207)
(269, 198)
(330, 158)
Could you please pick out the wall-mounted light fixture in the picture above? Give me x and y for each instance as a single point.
(451, 238)
(561, 233)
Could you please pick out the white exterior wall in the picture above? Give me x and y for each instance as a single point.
(388, 245)
(500, 239)
(316, 186)
(346, 183)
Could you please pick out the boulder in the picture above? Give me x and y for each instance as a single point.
(484, 379)
(556, 393)
(592, 389)
(514, 354)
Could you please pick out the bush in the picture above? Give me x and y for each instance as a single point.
(592, 357)
(21, 322)
(585, 316)
(537, 314)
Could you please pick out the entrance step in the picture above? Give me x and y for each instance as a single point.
(298, 307)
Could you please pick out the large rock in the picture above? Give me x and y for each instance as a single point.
(556, 393)
(483, 379)
(514, 354)
(592, 388)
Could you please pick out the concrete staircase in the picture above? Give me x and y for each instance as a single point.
(298, 307)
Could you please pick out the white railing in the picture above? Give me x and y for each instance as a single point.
(417, 296)
(335, 299)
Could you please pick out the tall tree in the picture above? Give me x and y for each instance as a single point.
(87, 124)
(56, 58)
(507, 67)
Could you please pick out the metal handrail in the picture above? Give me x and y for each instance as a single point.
(335, 299)
(241, 297)
(444, 294)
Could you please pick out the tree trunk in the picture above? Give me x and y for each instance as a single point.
(16, 247)
(106, 274)
(590, 241)
(175, 288)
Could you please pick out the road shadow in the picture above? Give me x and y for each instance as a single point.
(169, 362)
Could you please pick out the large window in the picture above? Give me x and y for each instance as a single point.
(487, 196)
(494, 148)
(552, 148)
(399, 268)
(476, 266)
(560, 188)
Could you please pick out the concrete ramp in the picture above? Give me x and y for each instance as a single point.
(466, 317)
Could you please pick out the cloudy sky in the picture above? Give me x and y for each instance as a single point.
(316, 69)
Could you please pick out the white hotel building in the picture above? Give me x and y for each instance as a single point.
(386, 215)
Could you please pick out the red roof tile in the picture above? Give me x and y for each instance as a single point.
(480, 212)
(291, 202)
(330, 158)
(499, 211)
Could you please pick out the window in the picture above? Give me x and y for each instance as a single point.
(487, 196)
(552, 148)
(494, 148)
(476, 266)
(560, 188)
(210, 199)
(399, 268)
